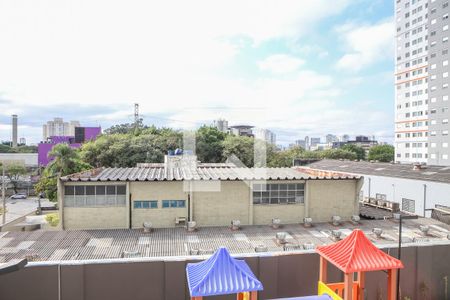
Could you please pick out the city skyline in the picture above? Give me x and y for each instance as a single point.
(309, 68)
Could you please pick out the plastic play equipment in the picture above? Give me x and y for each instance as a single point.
(222, 274)
(355, 254)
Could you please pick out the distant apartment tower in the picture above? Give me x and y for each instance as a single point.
(344, 138)
(221, 125)
(265, 135)
(330, 138)
(314, 142)
(242, 130)
(422, 79)
(58, 127)
(300, 143)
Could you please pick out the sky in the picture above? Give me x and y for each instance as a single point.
(295, 67)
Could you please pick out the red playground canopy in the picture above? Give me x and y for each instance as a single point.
(356, 253)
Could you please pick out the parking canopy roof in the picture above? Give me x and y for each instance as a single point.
(219, 275)
(356, 253)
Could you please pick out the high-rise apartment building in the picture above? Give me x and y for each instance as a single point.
(265, 135)
(58, 127)
(330, 138)
(421, 106)
(221, 125)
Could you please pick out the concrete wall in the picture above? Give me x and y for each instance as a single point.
(160, 217)
(219, 208)
(332, 197)
(99, 217)
(397, 188)
(425, 276)
(287, 213)
(217, 203)
(95, 217)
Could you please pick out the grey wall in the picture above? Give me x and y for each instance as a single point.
(426, 272)
(436, 193)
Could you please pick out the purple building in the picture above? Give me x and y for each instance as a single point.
(82, 134)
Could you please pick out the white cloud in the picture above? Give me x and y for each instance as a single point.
(170, 56)
(280, 63)
(366, 45)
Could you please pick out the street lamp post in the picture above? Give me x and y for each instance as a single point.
(400, 217)
(3, 195)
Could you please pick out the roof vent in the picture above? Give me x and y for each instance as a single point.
(130, 254)
(191, 226)
(417, 166)
(336, 235)
(281, 237)
(308, 246)
(235, 224)
(276, 223)
(307, 222)
(378, 232)
(32, 257)
(355, 219)
(261, 248)
(194, 251)
(424, 229)
(148, 227)
(336, 220)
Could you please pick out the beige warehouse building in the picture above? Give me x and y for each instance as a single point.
(180, 190)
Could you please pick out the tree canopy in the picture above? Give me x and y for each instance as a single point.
(65, 161)
(19, 149)
(383, 153)
(359, 151)
(14, 173)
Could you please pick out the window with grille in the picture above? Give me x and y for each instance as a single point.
(173, 203)
(94, 195)
(145, 204)
(279, 193)
(408, 205)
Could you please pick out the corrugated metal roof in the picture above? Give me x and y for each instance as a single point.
(406, 171)
(112, 243)
(356, 253)
(201, 172)
(221, 275)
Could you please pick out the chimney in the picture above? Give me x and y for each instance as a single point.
(14, 131)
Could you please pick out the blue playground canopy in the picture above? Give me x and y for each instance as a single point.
(219, 275)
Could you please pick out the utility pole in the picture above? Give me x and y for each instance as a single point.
(3, 195)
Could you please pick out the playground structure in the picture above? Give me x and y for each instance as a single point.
(222, 274)
(356, 254)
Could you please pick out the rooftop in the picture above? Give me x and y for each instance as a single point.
(176, 242)
(406, 171)
(156, 172)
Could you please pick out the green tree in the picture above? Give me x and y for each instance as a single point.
(383, 153)
(127, 128)
(65, 161)
(337, 154)
(126, 150)
(209, 144)
(14, 172)
(285, 158)
(359, 151)
(239, 146)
